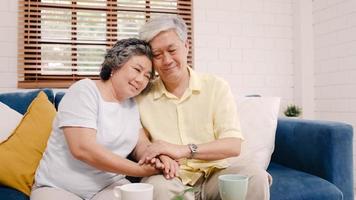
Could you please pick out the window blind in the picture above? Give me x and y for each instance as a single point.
(62, 41)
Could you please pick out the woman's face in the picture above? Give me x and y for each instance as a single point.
(132, 77)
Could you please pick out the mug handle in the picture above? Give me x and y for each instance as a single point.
(117, 191)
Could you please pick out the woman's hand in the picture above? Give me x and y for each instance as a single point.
(160, 147)
(166, 165)
(148, 170)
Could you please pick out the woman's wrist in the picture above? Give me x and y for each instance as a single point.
(139, 171)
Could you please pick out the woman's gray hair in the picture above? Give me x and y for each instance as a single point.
(163, 23)
(121, 52)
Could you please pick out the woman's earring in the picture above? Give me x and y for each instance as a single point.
(111, 74)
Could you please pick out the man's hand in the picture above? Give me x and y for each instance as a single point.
(157, 163)
(160, 147)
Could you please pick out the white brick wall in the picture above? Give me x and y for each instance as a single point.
(247, 42)
(8, 43)
(335, 61)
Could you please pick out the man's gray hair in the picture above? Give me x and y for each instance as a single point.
(164, 23)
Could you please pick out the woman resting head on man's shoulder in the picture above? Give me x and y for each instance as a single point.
(97, 126)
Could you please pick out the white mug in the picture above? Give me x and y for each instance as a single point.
(134, 191)
(233, 186)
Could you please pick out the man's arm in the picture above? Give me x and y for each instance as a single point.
(215, 150)
(142, 144)
(218, 149)
(226, 127)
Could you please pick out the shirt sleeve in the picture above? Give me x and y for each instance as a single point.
(79, 106)
(226, 119)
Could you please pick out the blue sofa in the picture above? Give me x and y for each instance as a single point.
(312, 159)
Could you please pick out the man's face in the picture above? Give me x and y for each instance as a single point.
(169, 56)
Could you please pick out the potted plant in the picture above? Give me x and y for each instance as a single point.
(293, 111)
(180, 196)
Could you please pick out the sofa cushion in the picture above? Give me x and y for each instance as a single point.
(7, 193)
(290, 184)
(9, 119)
(23, 150)
(258, 119)
(20, 101)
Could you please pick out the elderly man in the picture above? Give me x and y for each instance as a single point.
(192, 118)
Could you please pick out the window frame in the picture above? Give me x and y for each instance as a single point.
(30, 62)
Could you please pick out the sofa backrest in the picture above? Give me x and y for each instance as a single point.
(58, 98)
(20, 101)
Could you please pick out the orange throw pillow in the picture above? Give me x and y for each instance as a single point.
(22, 152)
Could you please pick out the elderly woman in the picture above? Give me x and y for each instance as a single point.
(96, 127)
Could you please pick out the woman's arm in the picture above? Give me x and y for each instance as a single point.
(83, 146)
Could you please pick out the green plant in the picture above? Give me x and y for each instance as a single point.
(180, 196)
(292, 111)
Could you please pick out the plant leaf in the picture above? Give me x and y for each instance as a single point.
(178, 197)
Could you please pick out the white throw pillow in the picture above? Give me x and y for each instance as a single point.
(258, 118)
(9, 119)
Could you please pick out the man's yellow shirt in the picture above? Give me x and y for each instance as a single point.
(205, 112)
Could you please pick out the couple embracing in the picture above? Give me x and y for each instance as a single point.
(179, 127)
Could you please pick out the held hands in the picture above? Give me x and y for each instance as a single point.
(162, 155)
(160, 147)
(171, 167)
(148, 170)
(166, 165)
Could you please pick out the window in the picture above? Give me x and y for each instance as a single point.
(62, 41)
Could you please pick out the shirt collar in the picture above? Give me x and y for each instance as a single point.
(194, 85)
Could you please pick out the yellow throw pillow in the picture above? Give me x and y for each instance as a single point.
(22, 152)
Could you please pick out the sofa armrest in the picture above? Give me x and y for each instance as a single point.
(320, 148)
